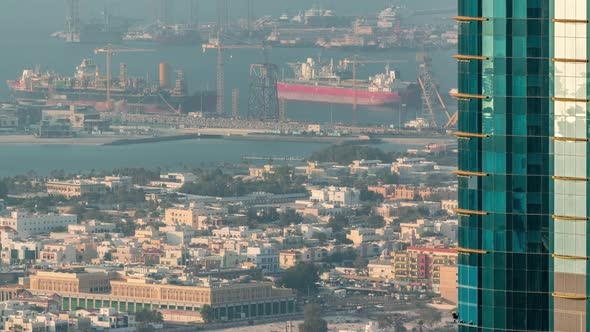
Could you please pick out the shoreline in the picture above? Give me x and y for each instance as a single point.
(237, 135)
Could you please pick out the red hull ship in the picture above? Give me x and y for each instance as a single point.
(333, 84)
(336, 95)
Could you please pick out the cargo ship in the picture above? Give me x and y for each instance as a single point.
(332, 83)
(128, 94)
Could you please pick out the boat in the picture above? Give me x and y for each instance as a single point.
(128, 94)
(332, 83)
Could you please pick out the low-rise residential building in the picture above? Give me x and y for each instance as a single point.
(367, 166)
(362, 235)
(58, 253)
(241, 232)
(264, 257)
(173, 180)
(31, 320)
(290, 258)
(108, 320)
(196, 216)
(19, 252)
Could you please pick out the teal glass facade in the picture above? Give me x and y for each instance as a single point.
(505, 183)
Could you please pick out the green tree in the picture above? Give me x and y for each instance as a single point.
(338, 222)
(289, 217)
(149, 317)
(302, 277)
(370, 196)
(374, 222)
(312, 321)
(345, 154)
(321, 237)
(207, 313)
(398, 326)
(3, 189)
(340, 257)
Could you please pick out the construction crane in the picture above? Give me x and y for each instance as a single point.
(110, 50)
(355, 62)
(216, 44)
(429, 90)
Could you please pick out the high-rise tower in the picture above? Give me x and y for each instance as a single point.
(568, 36)
(505, 166)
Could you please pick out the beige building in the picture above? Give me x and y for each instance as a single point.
(75, 188)
(290, 258)
(448, 283)
(362, 235)
(433, 267)
(381, 269)
(197, 217)
(71, 282)
(229, 301)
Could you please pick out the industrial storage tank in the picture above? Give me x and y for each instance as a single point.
(164, 75)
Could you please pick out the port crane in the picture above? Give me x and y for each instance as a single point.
(429, 90)
(109, 50)
(355, 62)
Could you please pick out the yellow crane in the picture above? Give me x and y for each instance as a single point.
(216, 44)
(354, 63)
(110, 50)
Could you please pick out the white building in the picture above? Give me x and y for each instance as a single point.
(367, 166)
(109, 319)
(173, 180)
(34, 224)
(265, 258)
(30, 320)
(240, 232)
(342, 196)
(16, 252)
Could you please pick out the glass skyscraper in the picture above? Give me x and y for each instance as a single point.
(522, 168)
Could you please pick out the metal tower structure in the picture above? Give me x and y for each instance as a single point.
(194, 12)
(235, 96)
(72, 21)
(431, 99)
(222, 15)
(263, 99)
(282, 110)
(250, 9)
(166, 11)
